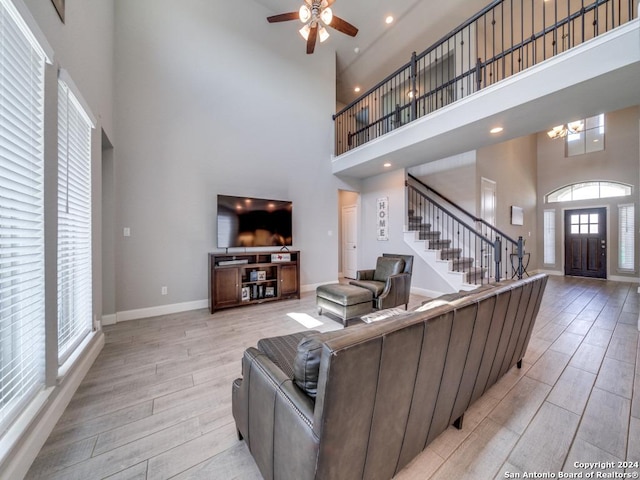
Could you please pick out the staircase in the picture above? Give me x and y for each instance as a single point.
(462, 250)
(457, 270)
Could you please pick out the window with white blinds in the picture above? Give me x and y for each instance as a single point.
(74, 222)
(550, 237)
(626, 237)
(22, 317)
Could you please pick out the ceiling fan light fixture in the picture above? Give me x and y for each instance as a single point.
(326, 16)
(304, 31)
(323, 34)
(305, 14)
(315, 15)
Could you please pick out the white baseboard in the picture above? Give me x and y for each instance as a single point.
(620, 278)
(312, 286)
(110, 319)
(613, 278)
(425, 293)
(160, 310)
(38, 428)
(557, 273)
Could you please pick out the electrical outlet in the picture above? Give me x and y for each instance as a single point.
(126, 232)
(163, 291)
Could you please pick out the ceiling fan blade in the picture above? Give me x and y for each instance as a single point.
(343, 26)
(311, 41)
(283, 17)
(329, 3)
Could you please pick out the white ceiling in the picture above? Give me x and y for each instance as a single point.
(382, 48)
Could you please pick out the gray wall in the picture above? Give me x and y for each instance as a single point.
(454, 177)
(83, 45)
(512, 165)
(210, 99)
(619, 162)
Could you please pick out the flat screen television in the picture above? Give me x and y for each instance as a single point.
(254, 222)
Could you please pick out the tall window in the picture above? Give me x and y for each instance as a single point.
(22, 62)
(550, 237)
(74, 222)
(626, 237)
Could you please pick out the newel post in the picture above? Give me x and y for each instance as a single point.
(497, 255)
(520, 255)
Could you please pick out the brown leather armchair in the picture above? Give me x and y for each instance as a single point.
(390, 281)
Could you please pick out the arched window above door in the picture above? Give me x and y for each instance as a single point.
(588, 191)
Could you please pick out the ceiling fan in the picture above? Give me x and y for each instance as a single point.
(315, 14)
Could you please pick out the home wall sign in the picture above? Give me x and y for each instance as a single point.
(383, 219)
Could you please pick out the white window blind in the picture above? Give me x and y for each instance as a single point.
(550, 237)
(626, 237)
(22, 317)
(74, 223)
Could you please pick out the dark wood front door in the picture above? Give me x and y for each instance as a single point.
(585, 242)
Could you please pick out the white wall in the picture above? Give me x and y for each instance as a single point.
(210, 98)
(513, 166)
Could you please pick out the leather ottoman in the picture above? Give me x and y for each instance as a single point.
(345, 301)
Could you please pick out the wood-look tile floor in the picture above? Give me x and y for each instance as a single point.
(157, 402)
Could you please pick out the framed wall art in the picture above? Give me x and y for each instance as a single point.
(517, 215)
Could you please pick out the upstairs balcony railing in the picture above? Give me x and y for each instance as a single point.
(505, 38)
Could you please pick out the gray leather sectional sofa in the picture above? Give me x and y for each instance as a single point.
(362, 402)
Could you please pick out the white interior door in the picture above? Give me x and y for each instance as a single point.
(488, 201)
(349, 241)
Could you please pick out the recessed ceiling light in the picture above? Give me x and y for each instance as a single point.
(496, 130)
(387, 165)
(357, 89)
(389, 20)
(356, 50)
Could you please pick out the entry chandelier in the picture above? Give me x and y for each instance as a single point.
(570, 128)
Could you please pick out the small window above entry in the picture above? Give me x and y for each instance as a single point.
(588, 138)
(589, 191)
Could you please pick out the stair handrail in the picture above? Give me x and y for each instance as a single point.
(469, 214)
(496, 244)
(456, 218)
